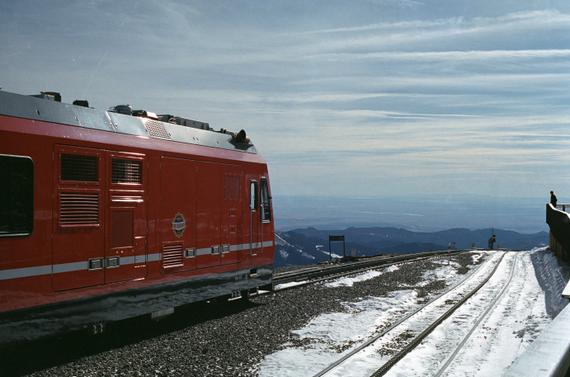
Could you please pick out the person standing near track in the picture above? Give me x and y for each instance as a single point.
(492, 241)
(553, 199)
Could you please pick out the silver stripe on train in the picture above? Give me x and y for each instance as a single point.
(203, 251)
(68, 267)
(154, 257)
(25, 272)
(127, 260)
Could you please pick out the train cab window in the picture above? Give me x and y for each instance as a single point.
(126, 171)
(16, 196)
(79, 168)
(265, 201)
(253, 196)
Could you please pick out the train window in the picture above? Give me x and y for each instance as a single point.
(79, 168)
(126, 171)
(253, 196)
(265, 201)
(16, 196)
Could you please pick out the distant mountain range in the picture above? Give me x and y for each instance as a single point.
(421, 214)
(311, 245)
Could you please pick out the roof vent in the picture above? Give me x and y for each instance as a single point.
(122, 109)
(145, 114)
(81, 102)
(156, 129)
(53, 96)
(184, 121)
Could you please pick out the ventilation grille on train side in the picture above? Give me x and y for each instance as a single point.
(79, 168)
(156, 129)
(126, 171)
(78, 208)
(172, 256)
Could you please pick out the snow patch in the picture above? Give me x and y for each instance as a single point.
(510, 326)
(447, 272)
(349, 281)
(281, 241)
(289, 285)
(476, 257)
(328, 336)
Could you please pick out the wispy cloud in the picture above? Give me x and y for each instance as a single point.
(445, 55)
(393, 95)
(535, 17)
(452, 30)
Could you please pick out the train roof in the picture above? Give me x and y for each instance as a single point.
(48, 107)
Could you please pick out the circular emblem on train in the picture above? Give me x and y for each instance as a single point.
(178, 225)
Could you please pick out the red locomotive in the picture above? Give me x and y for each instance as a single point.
(106, 215)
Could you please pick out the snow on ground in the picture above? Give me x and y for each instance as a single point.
(510, 326)
(476, 256)
(289, 285)
(321, 249)
(494, 327)
(441, 273)
(350, 280)
(367, 361)
(552, 276)
(322, 338)
(330, 335)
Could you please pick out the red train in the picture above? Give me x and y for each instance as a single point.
(106, 215)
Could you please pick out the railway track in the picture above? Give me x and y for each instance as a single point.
(441, 371)
(417, 325)
(316, 274)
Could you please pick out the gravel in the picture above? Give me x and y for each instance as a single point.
(211, 339)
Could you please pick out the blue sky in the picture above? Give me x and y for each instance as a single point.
(369, 98)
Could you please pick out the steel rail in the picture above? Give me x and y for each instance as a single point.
(374, 338)
(353, 267)
(478, 321)
(416, 341)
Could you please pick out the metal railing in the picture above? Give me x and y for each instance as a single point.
(563, 206)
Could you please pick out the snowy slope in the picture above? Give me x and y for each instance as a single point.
(482, 338)
(508, 328)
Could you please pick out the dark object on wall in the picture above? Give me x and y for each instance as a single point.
(559, 223)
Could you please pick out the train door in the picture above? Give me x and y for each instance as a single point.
(231, 214)
(265, 214)
(209, 196)
(178, 214)
(254, 217)
(125, 257)
(78, 241)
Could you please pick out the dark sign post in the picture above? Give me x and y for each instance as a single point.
(337, 238)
